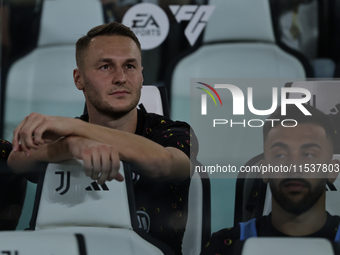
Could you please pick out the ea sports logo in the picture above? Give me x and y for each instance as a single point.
(149, 23)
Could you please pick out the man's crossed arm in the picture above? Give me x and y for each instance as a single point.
(41, 138)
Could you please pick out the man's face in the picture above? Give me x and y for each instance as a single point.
(111, 75)
(300, 145)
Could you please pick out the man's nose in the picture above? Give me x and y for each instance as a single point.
(119, 76)
(295, 159)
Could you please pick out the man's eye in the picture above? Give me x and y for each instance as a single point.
(129, 66)
(309, 155)
(280, 155)
(105, 67)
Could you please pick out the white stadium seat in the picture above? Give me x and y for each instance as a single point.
(284, 246)
(34, 243)
(42, 80)
(68, 201)
(238, 43)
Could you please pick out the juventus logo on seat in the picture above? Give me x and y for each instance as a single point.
(94, 186)
(143, 221)
(62, 181)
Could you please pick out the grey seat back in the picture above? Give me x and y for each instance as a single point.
(42, 81)
(68, 201)
(234, 48)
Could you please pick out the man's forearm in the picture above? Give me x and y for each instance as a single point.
(148, 155)
(56, 151)
(154, 160)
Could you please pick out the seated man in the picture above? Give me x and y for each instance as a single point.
(12, 191)
(298, 198)
(110, 75)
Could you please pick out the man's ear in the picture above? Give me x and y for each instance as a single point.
(264, 175)
(78, 81)
(334, 174)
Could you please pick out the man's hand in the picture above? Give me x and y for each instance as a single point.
(101, 161)
(37, 129)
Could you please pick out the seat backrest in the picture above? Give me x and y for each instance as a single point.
(257, 26)
(197, 231)
(69, 198)
(154, 99)
(234, 48)
(42, 80)
(285, 245)
(28, 242)
(68, 201)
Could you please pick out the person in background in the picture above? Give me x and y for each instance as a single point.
(298, 199)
